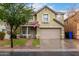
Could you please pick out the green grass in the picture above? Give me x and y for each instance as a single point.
(16, 42)
(19, 42)
(35, 42)
(4, 42)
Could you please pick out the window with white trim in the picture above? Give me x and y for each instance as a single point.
(23, 30)
(45, 18)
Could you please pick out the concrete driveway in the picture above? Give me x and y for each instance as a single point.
(71, 44)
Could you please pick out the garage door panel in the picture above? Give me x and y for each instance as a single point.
(50, 34)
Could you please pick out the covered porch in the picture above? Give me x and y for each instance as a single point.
(29, 31)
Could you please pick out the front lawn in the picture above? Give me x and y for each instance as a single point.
(35, 42)
(16, 42)
(19, 42)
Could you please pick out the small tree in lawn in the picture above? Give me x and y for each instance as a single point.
(15, 15)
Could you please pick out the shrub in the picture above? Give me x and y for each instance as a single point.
(2, 35)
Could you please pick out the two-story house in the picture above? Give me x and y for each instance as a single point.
(46, 24)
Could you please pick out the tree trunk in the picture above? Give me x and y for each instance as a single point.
(11, 37)
(15, 28)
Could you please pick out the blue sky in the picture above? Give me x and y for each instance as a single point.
(64, 6)
(57, 6)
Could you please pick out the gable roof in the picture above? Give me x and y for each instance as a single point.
(71, 16)
(50, 10)
(58, 22)
(53, 12)
(47, 8)
(61, 13)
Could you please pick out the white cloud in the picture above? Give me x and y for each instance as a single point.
(65, 16)
(64, 11)
(37, 6)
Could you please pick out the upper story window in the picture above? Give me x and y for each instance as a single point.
(59, 17)
(45, 18)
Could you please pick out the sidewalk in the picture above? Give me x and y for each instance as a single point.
(37, 50)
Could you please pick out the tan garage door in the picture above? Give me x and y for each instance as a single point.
(50, 33)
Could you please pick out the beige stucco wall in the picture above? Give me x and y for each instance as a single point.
(51, 24)
(60, 17)
(51, 16)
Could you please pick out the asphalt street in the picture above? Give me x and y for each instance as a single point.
(71, 53)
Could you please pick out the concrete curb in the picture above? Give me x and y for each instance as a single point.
(37, 50)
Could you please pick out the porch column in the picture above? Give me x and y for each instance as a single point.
(27, 32)
(21, 30)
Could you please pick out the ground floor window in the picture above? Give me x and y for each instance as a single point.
(23, 30)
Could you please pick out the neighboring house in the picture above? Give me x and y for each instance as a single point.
(72, 25)
(3, 28)
(46, 24)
